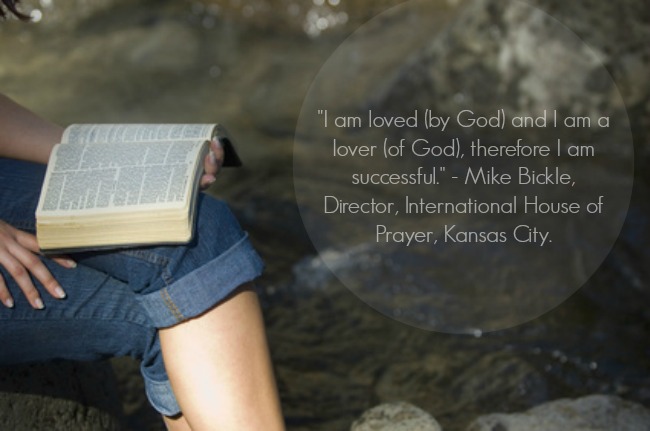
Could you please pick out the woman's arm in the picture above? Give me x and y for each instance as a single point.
(24, 135)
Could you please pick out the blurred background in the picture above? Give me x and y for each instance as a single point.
(248, 64)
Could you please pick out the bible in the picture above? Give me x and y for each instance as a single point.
(119, 185)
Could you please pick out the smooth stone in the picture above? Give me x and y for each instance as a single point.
(397, 416)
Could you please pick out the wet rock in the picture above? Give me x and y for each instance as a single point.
(417, 380)
(499, 380)
(311, 395)
(522, 58)
(398, 416)
(477, 382)
(522, 51)
(59, 397)
(626, 265)
(590, 413)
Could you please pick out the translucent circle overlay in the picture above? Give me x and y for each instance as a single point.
(463, 170)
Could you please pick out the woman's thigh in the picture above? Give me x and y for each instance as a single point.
(99, 318)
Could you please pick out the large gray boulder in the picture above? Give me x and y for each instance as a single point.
(590, 413)
(531, 56)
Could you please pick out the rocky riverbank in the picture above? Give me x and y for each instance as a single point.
(590, 413)
(335, 356)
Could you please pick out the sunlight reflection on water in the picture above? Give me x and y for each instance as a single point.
(312, 18)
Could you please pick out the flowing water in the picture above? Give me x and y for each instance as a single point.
(249, 64)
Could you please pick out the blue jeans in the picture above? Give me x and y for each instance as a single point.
(117, 300)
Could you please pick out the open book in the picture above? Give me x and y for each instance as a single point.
(114, 185)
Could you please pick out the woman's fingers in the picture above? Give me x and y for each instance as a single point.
(30, 242)
(26, 240)
(212, 163)
(20, 274)
(18, 256)
(217, 153)
(34, 265)
(5, 296)
(65, 262)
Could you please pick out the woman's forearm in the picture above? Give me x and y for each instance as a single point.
(24, 135)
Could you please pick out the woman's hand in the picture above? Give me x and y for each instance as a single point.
(212, 163)
(18, 255)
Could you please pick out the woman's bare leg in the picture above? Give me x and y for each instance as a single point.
(220, 368)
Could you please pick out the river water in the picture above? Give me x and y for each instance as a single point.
(249, 64)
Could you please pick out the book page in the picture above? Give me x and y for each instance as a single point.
(110, 133)
(93, 178)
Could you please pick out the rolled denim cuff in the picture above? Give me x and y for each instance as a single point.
(201, 289)
(161, 396)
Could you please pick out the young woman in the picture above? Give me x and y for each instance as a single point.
(189, 312)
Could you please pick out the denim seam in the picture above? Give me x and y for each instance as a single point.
(166, 275)
(173, 308)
